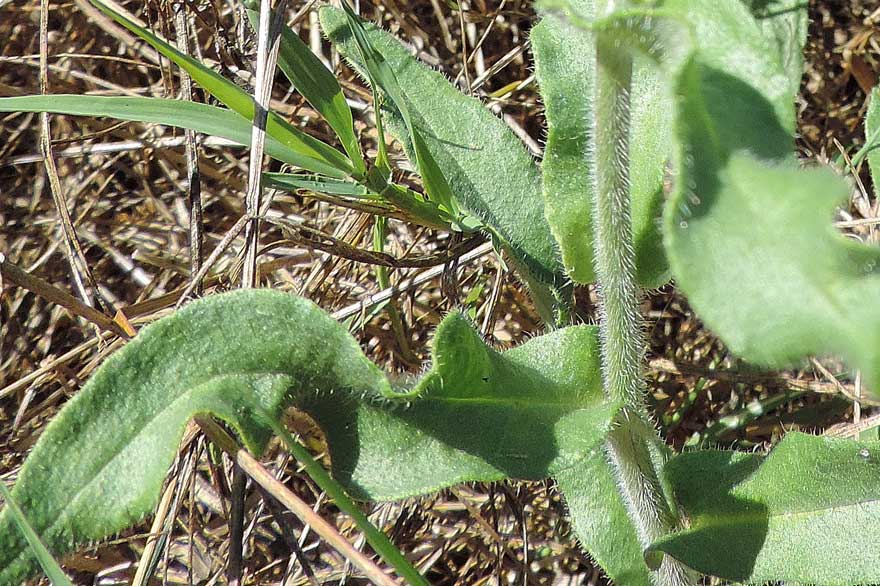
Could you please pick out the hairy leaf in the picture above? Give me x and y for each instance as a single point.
(321, 158)
(729, 39)
(203, 118)
(785, 23)
(530, 412)
(750, 239)
(601, 522)
(806, 513)
(50, 566)
(490, 173)
(565, 66)
(316, 84)
(872, 138)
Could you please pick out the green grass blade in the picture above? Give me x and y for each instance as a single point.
(317, 85)
(803, 514)
(382, 75)
(476, 415)
(317, 183)
(210, 120)
(378, 540)
(490, 172)
(50, 566)
(240, 101)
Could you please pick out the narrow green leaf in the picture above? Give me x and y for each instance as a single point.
(317, 85)
(491, 174)
(50, 566)
(872, 139)
(601, 522)
(750, 239)
(382, 75)
(806, 513)
(317, 183)
(241, 102)
(477, 414)
(209, 120)
(565, 66)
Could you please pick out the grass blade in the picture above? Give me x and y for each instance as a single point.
(211, 120)
(382, 75)
(317, 85)
(240, 101)
(50, 566)
(328, 185)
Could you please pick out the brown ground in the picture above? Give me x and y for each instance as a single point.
(130, 211)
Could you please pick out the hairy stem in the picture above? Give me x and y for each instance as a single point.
(633, 446)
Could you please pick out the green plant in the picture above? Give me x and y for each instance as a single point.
(628, 86)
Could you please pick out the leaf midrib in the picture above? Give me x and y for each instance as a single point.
(713, 520)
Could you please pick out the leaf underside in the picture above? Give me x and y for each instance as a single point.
(489, 171)
(806, 513)
(476, 415)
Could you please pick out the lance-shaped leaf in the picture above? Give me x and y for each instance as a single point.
(872, 138)
(806, 513)
(601, 522)
(292, 182)
(316, 84)
(477, 414)
(565, 67)
(316, 155)
(489, 171)
(380, 74)
(210, 120)
(750, 239)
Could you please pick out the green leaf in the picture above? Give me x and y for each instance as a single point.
(489, 171)
(317, 85)
(210, 120)
(785, 23)
(872, 139)
(477, 414)
(730, 39)
(565, 66)
(601, 522)
(750, 239)
(317, 183)
(50, 566)
(330, 161)
(382, 75)
(806, 513)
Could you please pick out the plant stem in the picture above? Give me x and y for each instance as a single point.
(633, 447)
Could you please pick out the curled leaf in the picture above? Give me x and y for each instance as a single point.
(243, 357)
